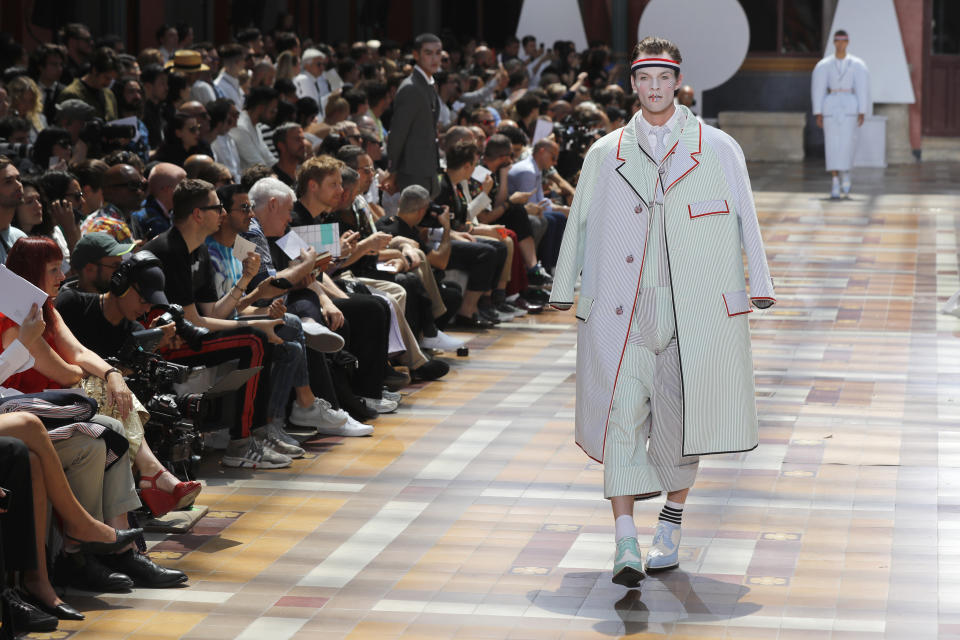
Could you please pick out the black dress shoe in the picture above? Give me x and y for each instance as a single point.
(144, 571)
(431, 370)
(62, 611)
(530, 307)
(472, 322)
(124, 538)
(25, 617)
(395, 380)
(85, 571)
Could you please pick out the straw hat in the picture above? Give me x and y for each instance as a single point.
(186, 60)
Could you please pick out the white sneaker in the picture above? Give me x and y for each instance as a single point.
(351, 428)
(845, 183)
(274, 441)
(835, 188)
(441, 342)
(393, 396)
(382, 405)
(320, 338)
(319, 413)
(249, 453)
(275, 428)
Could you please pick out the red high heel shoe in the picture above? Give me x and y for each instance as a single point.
(160, 502)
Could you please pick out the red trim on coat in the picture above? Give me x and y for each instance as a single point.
(619, 140)
(762, 298)
(587, 454)
(696, 162)
(625, 339)
(739, 313)
(708, 213)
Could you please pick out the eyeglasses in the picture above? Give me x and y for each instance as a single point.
(213, 207)
(76, 196)
(246, 207)
(108, 265)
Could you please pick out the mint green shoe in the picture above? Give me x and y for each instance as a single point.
(628, 566)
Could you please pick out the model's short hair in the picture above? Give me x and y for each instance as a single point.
(656, 47)
(189, 195)
(413, 198)
(841, 33)
(317, 169)
(266, 189)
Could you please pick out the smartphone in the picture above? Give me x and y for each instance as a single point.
(281, 283)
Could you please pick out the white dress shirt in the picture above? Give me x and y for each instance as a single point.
(225, 152)
(229, 87)
(251, 147)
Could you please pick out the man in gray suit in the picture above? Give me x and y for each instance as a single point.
(412, 141)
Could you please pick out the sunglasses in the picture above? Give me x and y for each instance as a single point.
(213, 207)
(246, 207)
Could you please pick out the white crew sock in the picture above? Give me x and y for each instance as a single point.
(625, 527)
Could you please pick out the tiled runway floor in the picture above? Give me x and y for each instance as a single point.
(471, 513)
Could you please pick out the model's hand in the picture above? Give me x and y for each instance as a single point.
(820, 120)
(860, 118)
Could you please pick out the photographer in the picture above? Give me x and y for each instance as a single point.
(197, 212)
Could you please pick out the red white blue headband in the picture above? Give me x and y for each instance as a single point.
(642, 63)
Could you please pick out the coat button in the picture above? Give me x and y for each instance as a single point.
(629, 259)
(619, 311)
(637, 209)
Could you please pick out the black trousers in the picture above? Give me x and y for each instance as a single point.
(252, 349)
(366, 323)
(516, 219)
(17, 535)
(479, 260)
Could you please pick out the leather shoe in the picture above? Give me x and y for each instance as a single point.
(472, 322)
(85, 571)
(62, 611)
(144, 571)
(431, 370)
(124, 538)
(395, 380)
(530, 307)
(536, 296)
(24, 617)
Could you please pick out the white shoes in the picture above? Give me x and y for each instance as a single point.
(392, 396)
(441, 342)
(351, 428)
(279, 440)
(665, 552)
(835, 188)
(382, 405)
(250, 453)
(319, 413)
(845, 183)
(320, 338)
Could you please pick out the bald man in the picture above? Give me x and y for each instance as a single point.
(154, 217)
(123, 190)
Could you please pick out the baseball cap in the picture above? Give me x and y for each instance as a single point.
(95, 246)
(75, 109)
(149, 282)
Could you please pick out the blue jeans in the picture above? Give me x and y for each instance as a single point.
(288, 366)
(549, 249)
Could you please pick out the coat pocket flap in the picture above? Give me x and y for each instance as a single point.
(708, 208)
(584, 305)
(737, 303)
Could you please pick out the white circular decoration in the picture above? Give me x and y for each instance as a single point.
(713, 37)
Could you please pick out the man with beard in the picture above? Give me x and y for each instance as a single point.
(662, 210)
(94, 259)
(11, 196)
(123, 188)
(292, 151)
(129, 95)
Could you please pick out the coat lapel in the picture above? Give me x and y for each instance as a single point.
(634, 166)
(685, 149)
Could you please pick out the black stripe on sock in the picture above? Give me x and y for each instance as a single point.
(671, 515)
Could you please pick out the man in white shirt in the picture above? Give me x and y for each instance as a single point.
(223, 118)
(261, 105)
(228, 82)
(310, 82)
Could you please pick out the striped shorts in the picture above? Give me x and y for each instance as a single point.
(643, 451)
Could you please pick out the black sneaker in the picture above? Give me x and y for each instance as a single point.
(431, 370)
(537, 296)
(488, 314)
(537, 276)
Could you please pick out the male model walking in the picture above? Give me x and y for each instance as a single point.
(664, 368)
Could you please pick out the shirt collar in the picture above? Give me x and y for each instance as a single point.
(429, 79)
(646, 128)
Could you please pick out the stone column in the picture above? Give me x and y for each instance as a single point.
(899, 149)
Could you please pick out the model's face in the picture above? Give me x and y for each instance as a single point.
(840, 44)
(655, 86)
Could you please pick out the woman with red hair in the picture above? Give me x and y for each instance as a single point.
(61, 361)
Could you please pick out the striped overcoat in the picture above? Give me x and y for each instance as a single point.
(709, 216)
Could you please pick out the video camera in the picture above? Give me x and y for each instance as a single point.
(186, 330)
(102, 138)
(574, 136)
